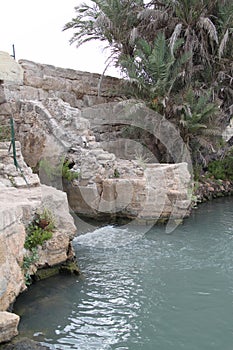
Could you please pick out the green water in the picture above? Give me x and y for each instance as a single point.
(149, 291)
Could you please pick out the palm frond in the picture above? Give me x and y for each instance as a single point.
(174, 36)
(223, 44)
(148, 14)
(207, 24)
(133, 35)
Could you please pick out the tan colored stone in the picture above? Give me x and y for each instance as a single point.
(17, 209)
(8, 326)
(10, 70)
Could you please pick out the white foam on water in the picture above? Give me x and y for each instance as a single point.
(109, 237)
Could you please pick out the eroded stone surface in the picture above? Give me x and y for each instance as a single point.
(56, 111)
(8, 326)
(18, 205)
(10, 70)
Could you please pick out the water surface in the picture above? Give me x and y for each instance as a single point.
(142, 290)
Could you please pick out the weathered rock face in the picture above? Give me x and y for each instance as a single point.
(159, 194)
(20, 197)
(10, 71)
(55, 110)
(79, 89)
(8, 326)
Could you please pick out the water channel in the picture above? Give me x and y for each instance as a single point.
(142, 291)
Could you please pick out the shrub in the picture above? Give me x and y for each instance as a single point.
(40, 229)
(223, 168)
(67, 173)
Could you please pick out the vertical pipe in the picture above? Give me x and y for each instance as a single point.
(13, 48)
(13, 142)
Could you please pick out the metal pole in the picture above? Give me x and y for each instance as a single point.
(13, 48)
(13, 142)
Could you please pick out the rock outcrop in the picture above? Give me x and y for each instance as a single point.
(21, 196)
(8, 326)
(10, 71)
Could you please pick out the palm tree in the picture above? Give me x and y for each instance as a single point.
(198, 118)
(204, 25)
(154, 70)
(165, 47)
(110, 21)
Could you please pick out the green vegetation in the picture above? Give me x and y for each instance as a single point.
(29, 260)
(62, 169)
(175, 55)
(67, 173)
(116, 173)
(36, 236)
(222, 168)
(38, 231)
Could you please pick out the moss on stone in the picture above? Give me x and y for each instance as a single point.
(70, 268)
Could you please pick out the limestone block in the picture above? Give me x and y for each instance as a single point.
(31, 180)
(8, 326)
(11, 276)
(90, 196)
(108, 198)
(53, 83)
(5, 109)
(28, 93)
(33, 67)
(33, 80)
(2, 95)
(10, 70)
(68, 97)
(54, 251)
(56, 201)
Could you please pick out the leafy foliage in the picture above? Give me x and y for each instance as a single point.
(223, 168)
(198, 120)
(175, 54)
(67, 173)
(154, 70)
(54, 171)
(28, 261)
(40, 229)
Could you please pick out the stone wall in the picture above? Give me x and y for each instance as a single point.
(79, 89)
(57, 112)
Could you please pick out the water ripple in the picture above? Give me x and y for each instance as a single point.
(142, 291)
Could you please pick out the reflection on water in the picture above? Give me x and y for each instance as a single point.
(142, 291)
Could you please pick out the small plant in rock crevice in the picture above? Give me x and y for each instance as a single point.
(51, 171)
(29, 260)
(38, 231)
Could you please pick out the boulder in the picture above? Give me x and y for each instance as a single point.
(10, 70)
(8, 326)
(24, 344)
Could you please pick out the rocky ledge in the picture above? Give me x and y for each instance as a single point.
(21, 197)
(24, 344)
(210, 188)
